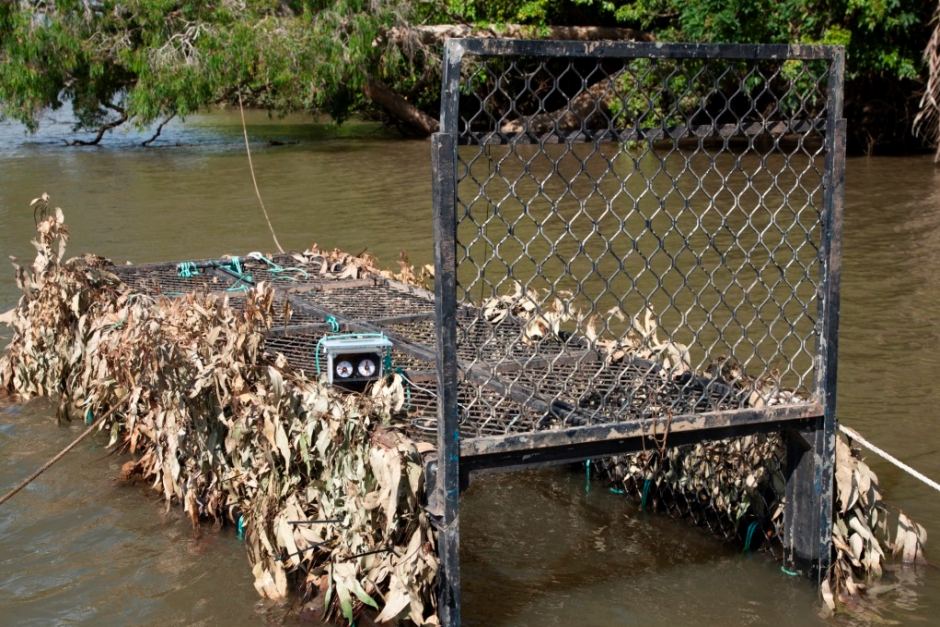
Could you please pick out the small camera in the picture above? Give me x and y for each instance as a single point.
(355, 359)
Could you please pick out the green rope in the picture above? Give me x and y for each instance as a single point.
(234, 265)
(187, 269)
(646, 494)
(334, 323)
(750, 535)
(787, 571)
(275, 268)
(587, 476)
(617, 491)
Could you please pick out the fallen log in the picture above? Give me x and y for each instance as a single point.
(572, 116)
(396, 105)
(432, 35)
(436, 33)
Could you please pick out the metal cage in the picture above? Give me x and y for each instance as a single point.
(637, 237)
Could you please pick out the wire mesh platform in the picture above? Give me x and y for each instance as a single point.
(561, 382)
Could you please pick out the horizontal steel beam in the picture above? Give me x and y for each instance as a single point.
(585, 442)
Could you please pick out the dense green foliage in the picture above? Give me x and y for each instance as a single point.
(156, 57)
(146, 59)
(884, 41)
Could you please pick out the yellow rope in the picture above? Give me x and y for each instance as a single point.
(254, 181)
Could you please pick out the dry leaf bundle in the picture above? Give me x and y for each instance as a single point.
(339, 264)
(232, 435)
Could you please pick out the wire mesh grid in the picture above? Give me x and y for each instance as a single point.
(368, 300)
(220, 275)
(282, 269)
(498, 345)
(163, 279)
(666, 213)
(421, 410)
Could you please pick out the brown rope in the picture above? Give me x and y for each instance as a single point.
(91, 428)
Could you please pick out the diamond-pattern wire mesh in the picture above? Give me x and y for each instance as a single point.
(639, 238)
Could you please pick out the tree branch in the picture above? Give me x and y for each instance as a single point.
(116, 108)
(103, 129)
(159, 130)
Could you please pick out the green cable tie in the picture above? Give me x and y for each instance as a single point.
(587, 476)
(646, 493)
(787, 571)
(750, 535)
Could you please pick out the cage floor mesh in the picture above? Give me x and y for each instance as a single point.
(562, 382)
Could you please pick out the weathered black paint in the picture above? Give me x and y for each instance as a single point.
(443, 160)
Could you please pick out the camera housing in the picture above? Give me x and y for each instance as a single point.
(355, 359)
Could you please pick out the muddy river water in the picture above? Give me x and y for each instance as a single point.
(78, 547)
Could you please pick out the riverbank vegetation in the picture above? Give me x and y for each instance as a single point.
(146, 61)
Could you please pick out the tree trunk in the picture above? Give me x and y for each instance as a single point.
(380, 93)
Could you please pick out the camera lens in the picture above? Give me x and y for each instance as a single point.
(344, 369)
(366, 367)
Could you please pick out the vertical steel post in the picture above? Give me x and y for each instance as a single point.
(811, 453)
(448, 432)
(444, 168)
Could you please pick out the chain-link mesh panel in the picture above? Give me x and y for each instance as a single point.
(640, 237)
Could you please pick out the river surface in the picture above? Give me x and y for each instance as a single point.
(79, 547)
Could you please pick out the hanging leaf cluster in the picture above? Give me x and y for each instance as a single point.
(327, 490)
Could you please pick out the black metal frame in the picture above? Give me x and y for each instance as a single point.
(810, 426)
